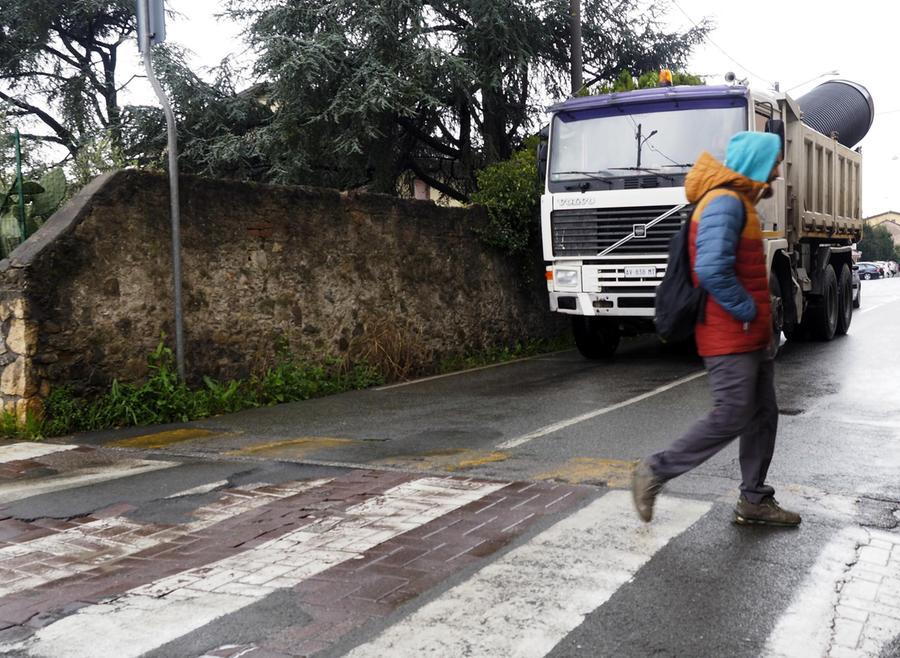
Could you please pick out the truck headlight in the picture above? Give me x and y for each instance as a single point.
(566, 278)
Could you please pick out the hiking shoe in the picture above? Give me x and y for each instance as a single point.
(644, 488)
(767, 512)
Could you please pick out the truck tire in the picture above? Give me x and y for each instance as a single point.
(858, 301)
(596, 338)
(823, 317)
(845, 300)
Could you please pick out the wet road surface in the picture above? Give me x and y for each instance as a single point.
(483, 513)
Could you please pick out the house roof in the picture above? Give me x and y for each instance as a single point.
(893, 213)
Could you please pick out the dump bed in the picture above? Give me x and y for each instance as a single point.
(824, 184)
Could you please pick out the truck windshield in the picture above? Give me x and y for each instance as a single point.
(662, 137)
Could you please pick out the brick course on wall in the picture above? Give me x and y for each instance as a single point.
(365, 277)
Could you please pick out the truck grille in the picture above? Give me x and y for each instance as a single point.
(587, 232)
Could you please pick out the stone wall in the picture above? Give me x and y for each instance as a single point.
(399, 283)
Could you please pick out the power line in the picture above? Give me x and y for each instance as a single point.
(708, 38)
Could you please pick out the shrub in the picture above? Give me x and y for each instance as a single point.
(511, 193)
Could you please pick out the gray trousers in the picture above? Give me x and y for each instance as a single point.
(743, 393)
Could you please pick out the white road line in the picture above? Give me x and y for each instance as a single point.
(19, 489)
(151, 615)
(463, 372)
(555, 427)
(872, 308)
(525, 602)
(91, 545)
(18, 451)
(849, 603)
(202, 489)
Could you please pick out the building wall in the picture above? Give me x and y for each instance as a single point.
(396, 282)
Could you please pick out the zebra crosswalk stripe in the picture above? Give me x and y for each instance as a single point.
(18, 490)
(525, 602)
(22, 451)
(849, 603)
(151, 615)
(93, 546)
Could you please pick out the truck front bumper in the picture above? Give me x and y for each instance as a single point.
(602, 303)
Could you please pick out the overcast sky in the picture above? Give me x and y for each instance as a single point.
(766, 42)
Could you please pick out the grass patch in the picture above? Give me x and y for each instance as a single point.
(164, 398)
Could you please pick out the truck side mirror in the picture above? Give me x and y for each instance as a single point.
(776, 127)
(542, 154)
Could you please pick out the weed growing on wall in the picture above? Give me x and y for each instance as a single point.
(164, 398)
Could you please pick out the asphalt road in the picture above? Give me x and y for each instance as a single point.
(714, 589)
(563, 417)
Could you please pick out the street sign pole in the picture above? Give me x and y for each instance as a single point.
(151, 30)
(18, 148)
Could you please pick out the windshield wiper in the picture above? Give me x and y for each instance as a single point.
(584, 186)
(645, 169)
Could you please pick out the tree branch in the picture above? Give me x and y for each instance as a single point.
(128, 81)
(28, 74)
(441, 187)
(83, 59)
(68, 139)
(61, 55)
(437, 145)
(43, 138)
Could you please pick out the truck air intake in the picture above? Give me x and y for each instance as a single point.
(839, 106)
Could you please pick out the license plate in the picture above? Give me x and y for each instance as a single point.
(640, 272)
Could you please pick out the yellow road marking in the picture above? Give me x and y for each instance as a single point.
(479, 460)
(446, 459)
(614, 473)
(162, 439)
(298, 447)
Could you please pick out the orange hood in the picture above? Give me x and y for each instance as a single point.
(708, 173)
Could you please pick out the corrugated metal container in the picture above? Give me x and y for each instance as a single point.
(839, 106)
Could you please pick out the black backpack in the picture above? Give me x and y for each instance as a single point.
(679, 305)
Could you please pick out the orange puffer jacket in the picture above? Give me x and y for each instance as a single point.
(722, 332)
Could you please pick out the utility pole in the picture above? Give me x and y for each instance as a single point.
(152, 30)
(577, 57)
(18, 146)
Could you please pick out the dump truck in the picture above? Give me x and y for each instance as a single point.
(613, 168)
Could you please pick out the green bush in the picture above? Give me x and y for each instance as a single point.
(511, 193)
(164, 398)
(627, 82)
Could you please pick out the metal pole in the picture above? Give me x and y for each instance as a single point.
(144, 7)
(577, 58)
(18, 147)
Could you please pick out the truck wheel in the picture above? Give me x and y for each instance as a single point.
(858, 301)
(596, 338)
(824, 315)
(845, 300)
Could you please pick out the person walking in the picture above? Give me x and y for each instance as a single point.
(735, 336)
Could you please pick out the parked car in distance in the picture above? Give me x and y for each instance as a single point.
(869, 271)
(885, 268)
